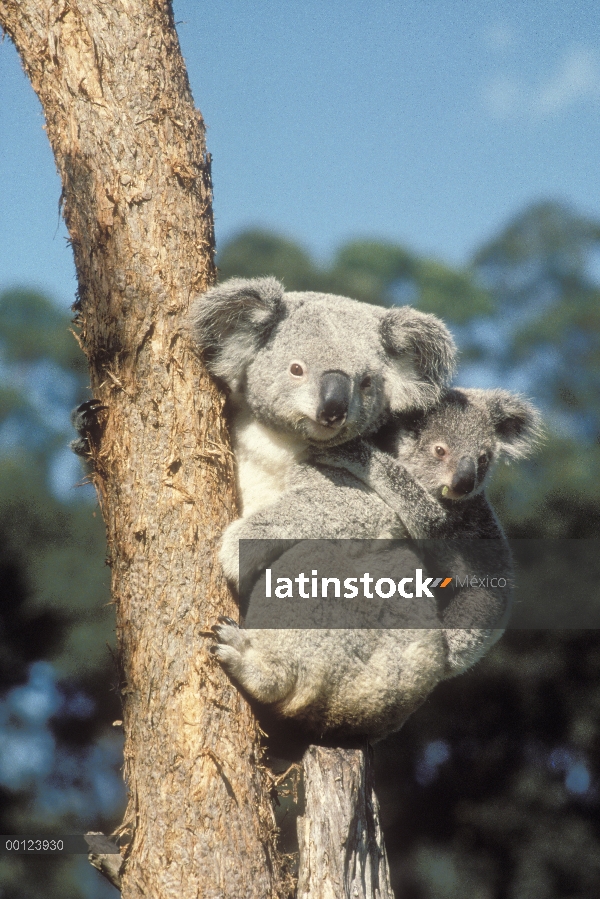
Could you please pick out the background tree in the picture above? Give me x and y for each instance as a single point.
(542, 271)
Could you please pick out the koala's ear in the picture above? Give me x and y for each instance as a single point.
(517, 423)
(230, 322)
(422, 355)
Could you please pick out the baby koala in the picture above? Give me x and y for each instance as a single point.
(432, 469)
(426, 475)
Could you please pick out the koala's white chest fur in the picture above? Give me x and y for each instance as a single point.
(264, 460)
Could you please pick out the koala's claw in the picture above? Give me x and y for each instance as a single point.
(228, 633)
(84, 416)
(230, 644)
(224, 623)
(85, 421)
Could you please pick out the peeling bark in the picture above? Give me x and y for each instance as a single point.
(129, 146)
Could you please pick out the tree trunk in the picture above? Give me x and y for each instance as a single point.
(129, 147)
(342, 855)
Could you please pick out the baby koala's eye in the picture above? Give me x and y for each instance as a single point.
(440, 451)
(296, 370)
(366, 382)
(483, 458)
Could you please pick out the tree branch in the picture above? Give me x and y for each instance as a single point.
(103, 857)
(342, 853)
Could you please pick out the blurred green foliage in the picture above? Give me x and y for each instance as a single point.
(32, 328)
(53, 545)
(367, 270)
(544, 274)
(492, 789)
(54, 594)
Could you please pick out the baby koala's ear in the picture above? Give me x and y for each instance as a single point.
(518, 424)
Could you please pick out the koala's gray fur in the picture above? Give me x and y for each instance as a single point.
(433, 474)
(368, 681)
(354, 365)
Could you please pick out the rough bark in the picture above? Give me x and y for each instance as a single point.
(130, 150)
(342, 854)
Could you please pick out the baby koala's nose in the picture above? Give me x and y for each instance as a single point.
(334, 399)
(463, 481)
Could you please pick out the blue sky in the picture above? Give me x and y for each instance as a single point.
(429, 123)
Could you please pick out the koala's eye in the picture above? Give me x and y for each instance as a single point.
(483, 458)
(440, 451)
(296, 370)
(366, 382)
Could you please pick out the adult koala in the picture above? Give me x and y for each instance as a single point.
(311, 369)
(307, 371)
(361, 664)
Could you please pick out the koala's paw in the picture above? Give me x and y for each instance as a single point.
(258, 552)
(252, 659)
(229, 646)
(85, 421)
(356, 469)
(353, 457)
(229, 554)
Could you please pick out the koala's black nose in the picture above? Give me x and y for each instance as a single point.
(463, 481)
(334, 398)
